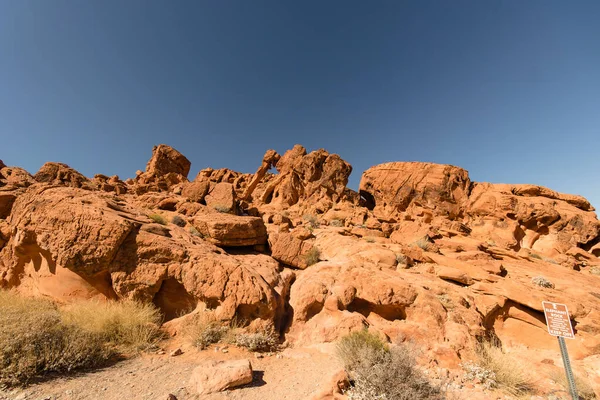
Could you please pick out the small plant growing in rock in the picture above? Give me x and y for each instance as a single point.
(312, 256)
(312, 221)
(542, 282)
(221, 208)
(401, 259)
(370, 239)
(536, 256)
(177, 220)
(446, 301)
(195, 232)
(426, 244)
(595, 271)
(159, 219)
(549, 260)
(336, 223)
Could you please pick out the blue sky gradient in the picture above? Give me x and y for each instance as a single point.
(509, 90)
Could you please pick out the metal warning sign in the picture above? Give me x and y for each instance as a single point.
(558, 320)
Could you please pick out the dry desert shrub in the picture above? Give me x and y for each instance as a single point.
(336, 223)
(507, 372)
(312, 256)
(426, 244)
(261, 341)
(127, 325)
(382, 373)
(35, 341)
(195, 232)
(542, 282)
(159, 219)
(203, 330)
(585, 391)
(177, 220)
(312, 221)
(222, 208)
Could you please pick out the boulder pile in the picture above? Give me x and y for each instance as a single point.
(420, 253)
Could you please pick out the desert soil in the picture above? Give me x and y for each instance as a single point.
(294, 374)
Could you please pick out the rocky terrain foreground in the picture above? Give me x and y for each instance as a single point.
(421, 254)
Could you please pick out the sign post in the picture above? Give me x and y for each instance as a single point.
(559, 325)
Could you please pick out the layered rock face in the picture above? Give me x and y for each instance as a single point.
(425, 255)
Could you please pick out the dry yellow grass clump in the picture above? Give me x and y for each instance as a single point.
(508, 373)
(38, 337)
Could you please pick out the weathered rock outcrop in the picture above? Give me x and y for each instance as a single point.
(427, 257)
(166, 160)
(231, 230)
(61, 174)
(166, 168)
(550, 223)
(314, 177)
(394, 187)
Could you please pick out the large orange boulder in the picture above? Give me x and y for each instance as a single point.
(532, 217)
(231, 230)
(165, 160)
(394, 187)
(60, 174)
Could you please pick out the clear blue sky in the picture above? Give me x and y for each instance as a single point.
(509, 90)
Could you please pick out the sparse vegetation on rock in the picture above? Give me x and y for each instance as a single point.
(542, 282)
(159, 219)
(177, 220)
(312, 256)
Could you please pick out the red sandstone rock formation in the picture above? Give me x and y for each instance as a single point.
(427, 256)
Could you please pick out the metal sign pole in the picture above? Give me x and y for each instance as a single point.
(568, 371)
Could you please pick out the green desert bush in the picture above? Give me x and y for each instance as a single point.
(360, 347)
(159, 219)
(380, 372)
(177, 220)
(312, 256)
